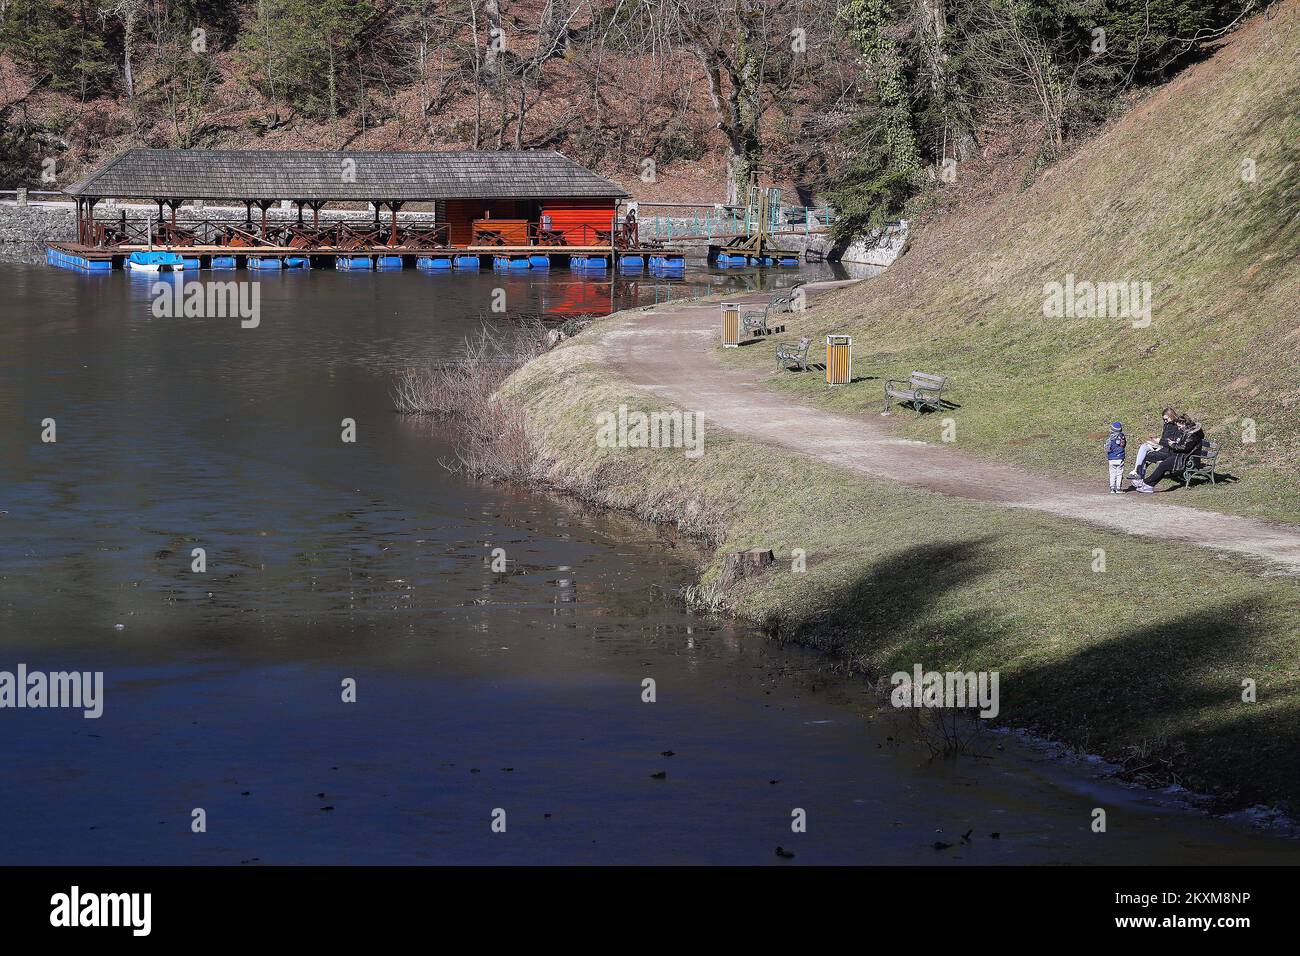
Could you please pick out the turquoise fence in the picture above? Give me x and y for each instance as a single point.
(734, 221)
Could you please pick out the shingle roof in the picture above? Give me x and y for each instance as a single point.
(265, 174)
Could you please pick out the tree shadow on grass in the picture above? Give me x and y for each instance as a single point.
(1163, 698)
(894, 594)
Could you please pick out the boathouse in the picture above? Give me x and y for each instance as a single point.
(524, 201)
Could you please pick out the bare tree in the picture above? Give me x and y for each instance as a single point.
(743, 48)
(127, 13)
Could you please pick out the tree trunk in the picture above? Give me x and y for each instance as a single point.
(478, 81)
(128, 48)
(496, 38)
(334, 113)
(744, 564)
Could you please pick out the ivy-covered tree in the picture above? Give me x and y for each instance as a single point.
(887, 168)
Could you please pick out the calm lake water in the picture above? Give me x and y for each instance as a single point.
(475, 691)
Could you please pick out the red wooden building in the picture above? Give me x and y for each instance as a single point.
(481, 201)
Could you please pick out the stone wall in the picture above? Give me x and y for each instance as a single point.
(39, 223)
(879, 248)
(36, 223)
(25, 230)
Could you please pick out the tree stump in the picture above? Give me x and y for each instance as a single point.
(743, 564)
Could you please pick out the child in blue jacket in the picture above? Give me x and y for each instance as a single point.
(1115, 446)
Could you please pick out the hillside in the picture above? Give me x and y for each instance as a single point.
(616, 87)
(1160, 195)
(1143, 663)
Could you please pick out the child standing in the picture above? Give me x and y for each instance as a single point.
(1115, 446)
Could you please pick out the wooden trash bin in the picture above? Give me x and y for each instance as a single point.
(839, 359)
(730, 325)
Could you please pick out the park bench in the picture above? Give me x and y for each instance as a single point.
(796, 355)
(921, 391)
(1201, 463)
(755, 321)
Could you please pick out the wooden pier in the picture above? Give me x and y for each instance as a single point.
(485, 205)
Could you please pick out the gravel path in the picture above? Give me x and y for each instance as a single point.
(669, 352)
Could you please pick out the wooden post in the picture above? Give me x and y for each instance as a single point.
(265, 204)
(392, 235)
(299, 201)
(90, 228)
(315, 215)
(81, 235)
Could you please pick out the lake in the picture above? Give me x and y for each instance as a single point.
(478, 695)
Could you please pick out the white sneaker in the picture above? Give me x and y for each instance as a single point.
(1144, 488)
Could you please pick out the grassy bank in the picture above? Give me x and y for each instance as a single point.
(1142, 662)
(1159, 196)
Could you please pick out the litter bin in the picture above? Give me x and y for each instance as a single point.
(730, 325)
(839, 359)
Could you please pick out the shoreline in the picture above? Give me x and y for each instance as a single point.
(669, 492)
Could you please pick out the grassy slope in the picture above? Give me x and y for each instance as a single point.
(1158, 196)
(1143, 662)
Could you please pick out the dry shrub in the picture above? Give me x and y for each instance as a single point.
(495, 440)
(943, 731)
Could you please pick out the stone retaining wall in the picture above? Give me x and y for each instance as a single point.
(37, 224)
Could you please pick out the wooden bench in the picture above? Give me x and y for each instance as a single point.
(921, 391)
(754, 321)
(796, 355)
(1201, 463)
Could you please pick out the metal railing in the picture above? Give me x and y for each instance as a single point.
(240, 233)
(22, 195)
(729, 221)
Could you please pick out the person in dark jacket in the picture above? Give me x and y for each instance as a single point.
(1175, 445)
(1156, 446)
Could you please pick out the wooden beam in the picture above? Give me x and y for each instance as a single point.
(264, 205)
(392, 236)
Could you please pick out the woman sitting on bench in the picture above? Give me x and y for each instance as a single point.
(1181, 437)
(1156, 446)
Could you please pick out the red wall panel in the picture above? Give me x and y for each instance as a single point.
(578, 219)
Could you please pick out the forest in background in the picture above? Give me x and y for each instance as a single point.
(867, 104)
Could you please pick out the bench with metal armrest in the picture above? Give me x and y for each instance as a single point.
(755, 321)
(921, 390)
(788, 354)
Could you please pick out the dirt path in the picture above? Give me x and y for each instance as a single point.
(669, 353)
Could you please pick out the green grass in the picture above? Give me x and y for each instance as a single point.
(1145, 658)
(1143, 662)
(1159, 196)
